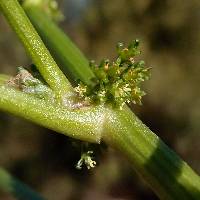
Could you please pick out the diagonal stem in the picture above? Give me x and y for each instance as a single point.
(169, 176)
(166, 173)
(70, 59)
(35, 47)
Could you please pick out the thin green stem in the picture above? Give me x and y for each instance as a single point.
(166, 173)
(82, 123)
(70, 59)
(17, 188)
(35, 47)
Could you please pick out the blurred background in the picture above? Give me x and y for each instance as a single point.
(169, 31)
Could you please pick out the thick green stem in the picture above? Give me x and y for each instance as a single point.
(70, 59)
(17, 188)
(80, 123)
(34, 46)
(169, 176)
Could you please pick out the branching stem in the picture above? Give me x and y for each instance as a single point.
(169, 176)
(84, 124)
(35, 47)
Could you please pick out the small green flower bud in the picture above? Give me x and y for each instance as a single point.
(118, 82)
(87, 160)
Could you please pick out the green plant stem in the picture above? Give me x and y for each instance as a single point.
(17, 188)
(70, 59)
(84, 124)
(3, 79)
(168, 176)
(35, 47)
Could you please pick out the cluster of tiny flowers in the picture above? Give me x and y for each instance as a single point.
(118, 82)
(87, 160)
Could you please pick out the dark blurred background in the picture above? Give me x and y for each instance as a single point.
(169, 31)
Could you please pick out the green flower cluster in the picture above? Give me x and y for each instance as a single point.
(87, 160)
(118, 82)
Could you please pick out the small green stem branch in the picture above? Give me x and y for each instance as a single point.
(70, 59)
(169, 176)
(84, 124)
(35, 47)
(17, 188)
